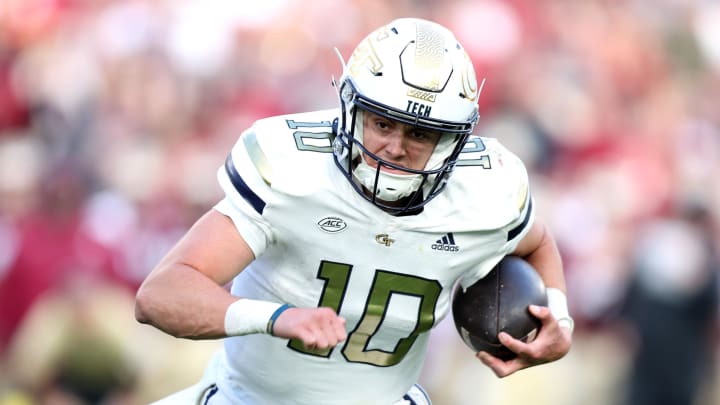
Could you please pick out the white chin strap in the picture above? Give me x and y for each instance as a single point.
(391, 186)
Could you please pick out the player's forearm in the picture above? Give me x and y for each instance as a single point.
(546, 259)
(184, 303)
(542, 252)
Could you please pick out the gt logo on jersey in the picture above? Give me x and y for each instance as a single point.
(384, 239)
(332, 224)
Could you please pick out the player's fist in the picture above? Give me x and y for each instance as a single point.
(551, 343)
(316, 328)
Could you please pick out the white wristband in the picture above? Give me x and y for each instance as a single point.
(557, 302)
(246, 316)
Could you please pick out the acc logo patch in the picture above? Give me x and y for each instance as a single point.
(332, 224)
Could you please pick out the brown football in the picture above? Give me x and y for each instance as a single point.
(499, 302)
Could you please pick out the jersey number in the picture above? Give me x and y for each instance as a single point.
(322, 142)
(385, 285)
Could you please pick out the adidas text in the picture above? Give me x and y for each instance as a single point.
(446, 248)
(446, 243)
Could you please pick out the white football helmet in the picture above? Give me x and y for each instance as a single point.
(412, 71)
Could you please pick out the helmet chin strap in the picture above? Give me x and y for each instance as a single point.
(391, 186)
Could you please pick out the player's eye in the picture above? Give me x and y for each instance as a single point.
(424, 136)
(382, 124)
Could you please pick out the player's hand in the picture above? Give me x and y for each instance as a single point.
(317, 328)
(551, 343)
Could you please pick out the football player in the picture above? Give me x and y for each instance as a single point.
(344, 231)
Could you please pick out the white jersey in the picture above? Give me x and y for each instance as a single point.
(318, 243)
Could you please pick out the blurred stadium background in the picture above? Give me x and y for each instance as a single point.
(114, 116)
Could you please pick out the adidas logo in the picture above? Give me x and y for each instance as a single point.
(446, 244)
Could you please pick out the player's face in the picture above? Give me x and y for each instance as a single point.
(398, 143)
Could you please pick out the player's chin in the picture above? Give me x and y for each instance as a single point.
(390, 170)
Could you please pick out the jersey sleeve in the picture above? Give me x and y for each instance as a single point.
(523, 201)
(517, 198)
(245, 178)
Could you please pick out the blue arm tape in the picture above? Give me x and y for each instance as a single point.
(275, 315)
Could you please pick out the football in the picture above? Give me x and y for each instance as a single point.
(499, 302)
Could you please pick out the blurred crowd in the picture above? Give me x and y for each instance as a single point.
(115, 115)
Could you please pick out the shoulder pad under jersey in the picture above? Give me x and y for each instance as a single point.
(277, 154)
(488, 175)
